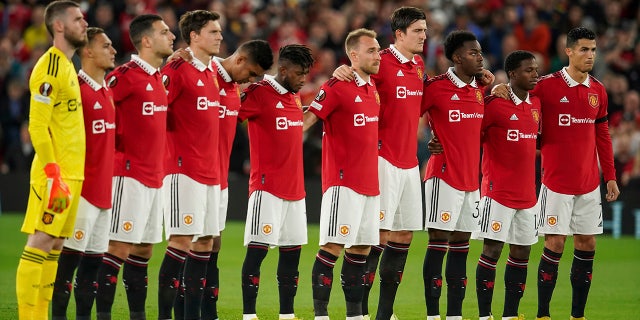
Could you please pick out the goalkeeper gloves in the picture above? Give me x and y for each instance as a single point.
(58, 191)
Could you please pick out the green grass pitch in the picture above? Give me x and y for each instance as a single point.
(615, 293)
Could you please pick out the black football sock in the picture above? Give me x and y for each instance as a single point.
(195, 272)
(392, 264)
(169, 281)
(107, 284)
(63, 285)
(581, 272)
(456, 274)
(515, 280)
(322, 281)
(86, 284)
(256, 252)
(485, 281)
(288, 262)
(134, 277)
(432, 274)
(352, 278)
(370, 275)
(547, 276)
(212, 285)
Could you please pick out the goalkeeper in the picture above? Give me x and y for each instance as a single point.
(57, 132)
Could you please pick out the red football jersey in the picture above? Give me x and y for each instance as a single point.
(228, 112)
(509, 134)
(192, 120)
(400, 82)
(99, 125)
(455, 110)
(141, 121)
(575, 133)
(349, 111)
(275, 139)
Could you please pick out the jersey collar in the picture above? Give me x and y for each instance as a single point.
(197, 63)
(359, 81)
(570, 82)
(459, 83)
(225, 75)
(400, 56)
(517, 100)
(272, 81)
(92, 83)
(144, 65)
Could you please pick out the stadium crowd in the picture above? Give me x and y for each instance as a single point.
(501, 26)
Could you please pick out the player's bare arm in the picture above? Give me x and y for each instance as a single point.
(501, 90)
(343, 73)
(308, 120)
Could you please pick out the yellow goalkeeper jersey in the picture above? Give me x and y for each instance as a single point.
(56, 124)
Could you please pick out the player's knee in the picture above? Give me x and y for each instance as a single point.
(584, 242)
(403, 236)
(520, 252)
(492, 249)
(555, 242)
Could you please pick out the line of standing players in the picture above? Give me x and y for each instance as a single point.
(172, 135)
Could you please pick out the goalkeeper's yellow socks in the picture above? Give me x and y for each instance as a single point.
(49, 270)
(28, 280)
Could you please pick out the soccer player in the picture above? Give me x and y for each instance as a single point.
(141, 117)
(455, 104)
(349, 214)
(276, 214)
(90, 238)
(192, 183)
(575, 137)
(249, 61)
(57, 134)
(508, 204)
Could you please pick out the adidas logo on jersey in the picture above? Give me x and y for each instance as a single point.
(455, 97)
(279, 105)
(149, 87)
(513, 117)
(358, 99)
(564, 100)
(200, 84)
(223, 93)
(400, 74)
(97, 106)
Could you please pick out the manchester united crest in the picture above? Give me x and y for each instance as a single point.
(377, 97)
(593, 100)
(345, 229)
(215, 81)
(267, 229)
(536, 115)
(78, 235)
(382, 215)
(420, 73)
(496, 226)
(187, 218)
(298, 102)
(445, 216)
(127, 226)
(552, 221)
(479, 97)
(47, 218)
